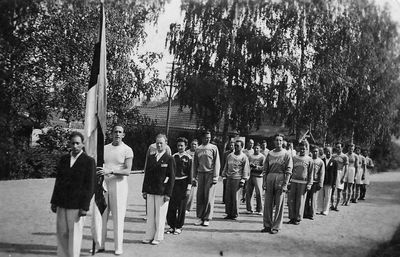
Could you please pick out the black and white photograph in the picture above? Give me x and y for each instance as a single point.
(200, 128)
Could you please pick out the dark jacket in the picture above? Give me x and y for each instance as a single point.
(155, 176)
(330, 172)
(74, 186)
(183, 167)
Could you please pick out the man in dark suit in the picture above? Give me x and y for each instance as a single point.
(158, 183)
(73, 189)
(331, 172)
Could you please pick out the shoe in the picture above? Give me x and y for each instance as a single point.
(97, 251)
(332, 208)
(155, 242)
(198, 222)
(177, 231)
(119, 252)
(146, 241)
(311, 218)
(297, 222)
(206, 223)
(170, 231)
(249, 212)
(274, 231)
(265, 230)
(227, 217)
(324, 213)
(258, 213)
(362, 199)
(291, 221)
(336, 209)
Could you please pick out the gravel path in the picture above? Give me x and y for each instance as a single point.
(27, 226)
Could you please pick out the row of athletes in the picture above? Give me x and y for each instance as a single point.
(171, 182)
(313, 182)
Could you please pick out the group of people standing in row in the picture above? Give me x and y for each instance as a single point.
(313, 181)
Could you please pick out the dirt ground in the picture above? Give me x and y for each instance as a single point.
(27, 226)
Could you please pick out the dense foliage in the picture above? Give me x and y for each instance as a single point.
(46, 50)
(332, 68)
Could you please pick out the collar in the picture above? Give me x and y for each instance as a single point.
(77, 156)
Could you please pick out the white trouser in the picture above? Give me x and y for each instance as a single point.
(324, 198)
(156, 215)
(69, 232)
(116, 199)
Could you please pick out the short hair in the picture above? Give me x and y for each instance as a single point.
(314, 147)
(240, 141)
(76, 134)
(328, 148)
(161, 135)
(118, 125)
(195, 140)
(205, 132)
(182, 140)
(257, 144)
(302, 143)
(251, 140)
(264, 141)
(279, 135)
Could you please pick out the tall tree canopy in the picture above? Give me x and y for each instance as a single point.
(315, 64)
(46, 51)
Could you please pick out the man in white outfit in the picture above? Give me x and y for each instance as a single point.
(118, 159)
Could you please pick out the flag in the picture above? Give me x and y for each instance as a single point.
(95, 125)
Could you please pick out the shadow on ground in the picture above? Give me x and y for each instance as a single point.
(388, 249)
(39, 249)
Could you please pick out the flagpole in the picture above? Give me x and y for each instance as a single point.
(95, 126)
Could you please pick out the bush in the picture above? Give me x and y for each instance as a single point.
(36, 162)
(386, 156)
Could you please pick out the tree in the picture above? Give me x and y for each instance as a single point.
(46, 55)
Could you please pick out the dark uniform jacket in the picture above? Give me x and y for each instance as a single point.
(74, 186)
(330, 172)
(159, 176)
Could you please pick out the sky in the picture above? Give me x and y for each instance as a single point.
(157, 34)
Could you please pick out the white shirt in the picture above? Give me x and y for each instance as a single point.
(115, 156)
(73, 159)
(159, 154)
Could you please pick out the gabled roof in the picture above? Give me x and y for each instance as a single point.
(180, 118)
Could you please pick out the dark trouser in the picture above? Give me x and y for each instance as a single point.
(254, 183)
(274, 199)
(232, 197)
(363, 191)
(297, 197)
(223, 190)
(311, 201)
(205, 196)
(177, 204)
